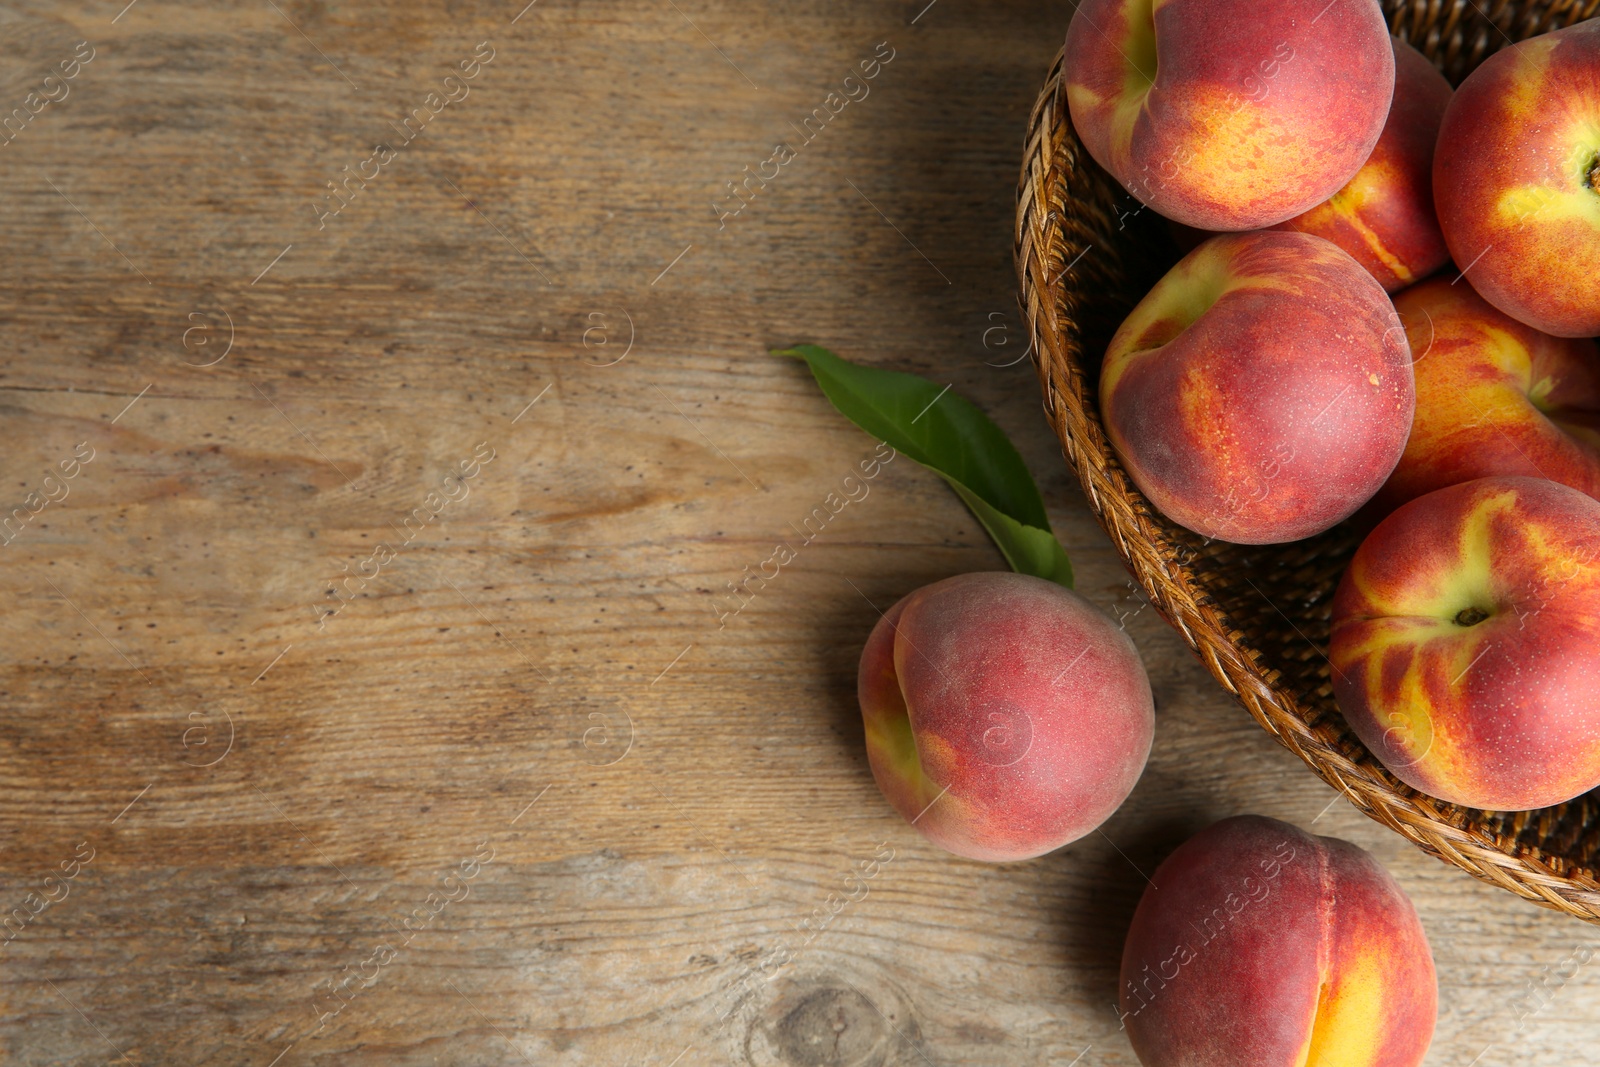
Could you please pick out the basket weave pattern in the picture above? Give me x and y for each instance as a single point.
(1258, 616)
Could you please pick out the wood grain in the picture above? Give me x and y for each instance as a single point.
(551, 638)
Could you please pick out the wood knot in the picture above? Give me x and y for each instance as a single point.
(833, 1027)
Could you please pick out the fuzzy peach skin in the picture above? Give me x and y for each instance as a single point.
(1262, 391)
(1005, 715)
(1493, 397)
(1466, 643)
(1384, 215)
(1259, 945)
(1516, 179)
(1229, 114)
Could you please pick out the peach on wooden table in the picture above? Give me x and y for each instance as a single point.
(1259, 945)
(1229, 114)
(1005, 715)
(1465, 644)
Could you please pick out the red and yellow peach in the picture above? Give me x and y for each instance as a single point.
(1384, 215)
(1229, 114)
(1493, 397)
(1005, 715)
(1466, 643)
(1262, 391)
(1516, 180)
(1259, 945)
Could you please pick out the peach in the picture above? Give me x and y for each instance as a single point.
(1384, 215)
(1229, 114)
(1005, 715)
(1466, 643)
(1259, 945)
(1262, 391)
(1493, 397)
(1516, 179)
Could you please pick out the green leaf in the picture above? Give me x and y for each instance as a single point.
(947, 434)
(1028, 549)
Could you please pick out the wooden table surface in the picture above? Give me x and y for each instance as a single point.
(367, 693)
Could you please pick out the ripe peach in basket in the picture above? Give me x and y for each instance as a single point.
(1229, 114)
(1466, 643)
(1262, 391)
(1259, 945)
(1005, 715)
(1516, 177)
(1384, 215)
(1493, 397)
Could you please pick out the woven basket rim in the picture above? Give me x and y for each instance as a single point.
(1500, 856)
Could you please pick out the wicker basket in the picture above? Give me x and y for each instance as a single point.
(1258, 616)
